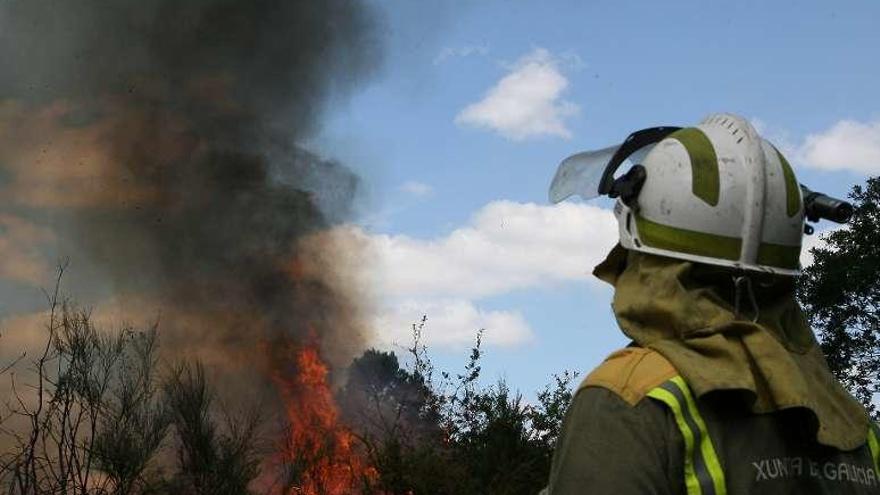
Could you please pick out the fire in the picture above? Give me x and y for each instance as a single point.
(320, 455)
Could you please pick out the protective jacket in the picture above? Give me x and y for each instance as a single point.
(635, 427)
(714, 396)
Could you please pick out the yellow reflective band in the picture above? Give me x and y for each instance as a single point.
(708, 450)
(690, 477)
(779, 255)
(792, 190)
(670, 238)
(874, 445)
(703, 473)
(705, 180)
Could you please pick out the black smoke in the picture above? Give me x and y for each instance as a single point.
(203, 191)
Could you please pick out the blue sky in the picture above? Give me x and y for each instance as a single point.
(456, 173)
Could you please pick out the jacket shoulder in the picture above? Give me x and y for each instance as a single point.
(631, 373)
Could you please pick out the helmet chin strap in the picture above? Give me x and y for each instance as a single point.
(743, 283)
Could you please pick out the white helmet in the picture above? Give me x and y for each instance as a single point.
(716, 193)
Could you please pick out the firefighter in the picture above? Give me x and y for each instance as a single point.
(723, 389)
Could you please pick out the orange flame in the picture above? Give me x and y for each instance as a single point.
(320, 456)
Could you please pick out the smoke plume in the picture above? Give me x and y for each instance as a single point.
(161, 142)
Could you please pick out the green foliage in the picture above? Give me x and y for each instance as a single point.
(394, 414)
(553, 401)
(841, 293)
(442, 433)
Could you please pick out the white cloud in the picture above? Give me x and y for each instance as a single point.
(451, 323)
(847, 145)
(506, 246)
(417, 189)
(460, 52)
(525, 103)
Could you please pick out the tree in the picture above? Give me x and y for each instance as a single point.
(396, 416)
(444, 433)
(840, 292)
(213, 458)
(91, 419)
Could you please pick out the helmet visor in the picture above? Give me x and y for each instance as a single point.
(581, 173)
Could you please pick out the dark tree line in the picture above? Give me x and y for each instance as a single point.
(430, 432)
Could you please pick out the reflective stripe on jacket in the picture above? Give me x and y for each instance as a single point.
(635, 428)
